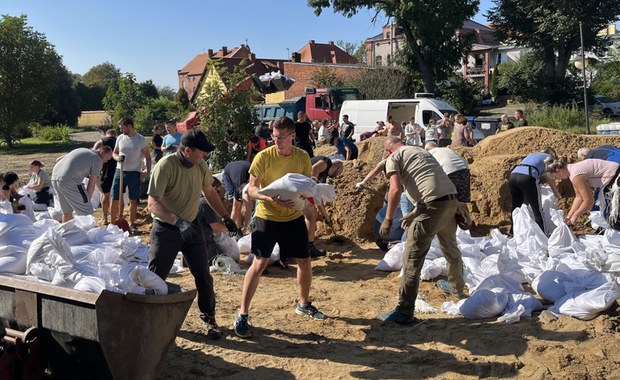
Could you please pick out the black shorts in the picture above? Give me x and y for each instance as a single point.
(292, 237)
(109, 168)
(461, 180)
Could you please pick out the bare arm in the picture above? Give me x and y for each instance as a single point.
(373, 173)
(37, 186)
(393, 195)
(158, 209)
(93, 181)
(254, 186)
(147, 156)
(115, 153)
(584, 199)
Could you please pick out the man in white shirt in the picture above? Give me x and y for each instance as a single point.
(413, 133)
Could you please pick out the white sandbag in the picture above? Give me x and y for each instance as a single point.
(499, 282)
(95, 199)
(529, 237)
(293, 186)
(245, 244)
(29, 210)
(521, 304)
(484, 303)
(324, 192)
(393, 259)
(149, 280)
(562, 239)
(6, 207)
(226, 245)
(226, 265)
(433, 268)
(90, 284)
(549, 285)
(513, 316)
(588, 304)
(13, 259)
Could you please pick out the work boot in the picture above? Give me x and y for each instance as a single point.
(212, 329)
(314, 252)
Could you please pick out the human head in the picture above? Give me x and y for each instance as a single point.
(432, 121)
(391, 144)
(430, 145)
(550, 151)
(412, 119)
(345, 118)
(504, 118)
(556, 167)
(195, 146)
(157, 129)
(111, 132)
(283, 134)
(126, 126)
(336, 170)
(460, 119)
(171, 127)
(9, 180)
(582, 153)
(403, 123)
(519, 114)
(105, 152)
(35, 166)
(301, 116)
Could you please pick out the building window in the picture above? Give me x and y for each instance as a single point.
(499, 58)
(378, 60)
(479, 59)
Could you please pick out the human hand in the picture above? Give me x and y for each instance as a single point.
(230, 224)
(406, 220)
(386, 227)
(288, 203)
(121, 158)
(185, 227)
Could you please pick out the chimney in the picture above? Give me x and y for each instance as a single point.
(311, 42)
(330, 42)
(210, 53)
(252, 57)
(224, 50)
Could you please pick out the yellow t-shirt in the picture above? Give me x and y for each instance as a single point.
(179, 187)
(269, 166)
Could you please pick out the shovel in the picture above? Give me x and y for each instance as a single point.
(121, 222)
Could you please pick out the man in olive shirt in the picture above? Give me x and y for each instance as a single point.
(434, 195)
(174, 192)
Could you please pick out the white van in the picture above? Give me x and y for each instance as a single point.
(365, 113)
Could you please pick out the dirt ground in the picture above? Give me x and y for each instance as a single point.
(351, 343)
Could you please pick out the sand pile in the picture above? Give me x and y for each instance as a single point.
(490, 162)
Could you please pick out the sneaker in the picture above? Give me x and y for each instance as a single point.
(212, 329)
(397, 317)
(105, 220)
(309, 310)
(242, 326)
(382, 245)
(314, 252)
(133, 231)
(446, 287)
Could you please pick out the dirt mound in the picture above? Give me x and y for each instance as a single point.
(490, 162)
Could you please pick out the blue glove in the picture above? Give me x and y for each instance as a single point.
(186, 228)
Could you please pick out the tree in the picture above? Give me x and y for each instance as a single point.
(29, 69)
(149, 89)
(167, 92)
(607, 79)
(325, 77)
(383, 82)
(552, 28)
(157, 111)
(429, 27)
(63, 102)
(123, 97)
(101, 75)
(227, 115)
(462, 93)
(182, 97)
(357, 51)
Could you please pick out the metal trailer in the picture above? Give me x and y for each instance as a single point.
(96, 336)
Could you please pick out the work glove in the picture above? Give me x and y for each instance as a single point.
(386, 227)
(406, 220)
(186, 228)
(230, 224)
(360, 185)
(121, 158)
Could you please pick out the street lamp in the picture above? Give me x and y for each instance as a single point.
(581, 64)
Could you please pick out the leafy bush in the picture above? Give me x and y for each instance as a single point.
(51, 133)
(570, 118)
(157, 111)
(461, 93)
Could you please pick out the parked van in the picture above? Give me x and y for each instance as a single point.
(365, 113)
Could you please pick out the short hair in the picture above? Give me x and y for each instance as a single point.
(520, 112)
(286, 123)
(300, 113)
(550, 151)
(105, 149)
(110, 132)
(125, 121)
(345, 115)
(582, 152)
(460, 119)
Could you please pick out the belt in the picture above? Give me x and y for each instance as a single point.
(448, 197)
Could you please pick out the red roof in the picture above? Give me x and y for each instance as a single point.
(324, 53)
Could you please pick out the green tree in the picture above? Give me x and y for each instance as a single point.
(63, 102)
(157, 111)
(167, 92)
(149, 89)
(101, 75)
(357, 51)
(227, 115)
(325, 77)
(182, 97)
(30, 69)
(124, 97)
(382, 82)
(462, 93)
(429, 27)
(607, 80)
(552, 28)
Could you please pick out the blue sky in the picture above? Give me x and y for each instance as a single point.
(153, 39)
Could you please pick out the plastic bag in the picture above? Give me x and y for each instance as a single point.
(292, 186)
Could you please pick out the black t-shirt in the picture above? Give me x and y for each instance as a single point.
(157, 141)
(302, 137)
(238, 174)
(109, 141)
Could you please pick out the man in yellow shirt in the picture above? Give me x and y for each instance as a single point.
(277, 222)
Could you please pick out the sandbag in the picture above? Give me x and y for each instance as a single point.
(227, 245)
(484, 303)
(549, 285)
(588, 304)
(293, 186)
(393, 259)
(149, 280)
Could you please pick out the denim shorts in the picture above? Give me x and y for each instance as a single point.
(131, 181)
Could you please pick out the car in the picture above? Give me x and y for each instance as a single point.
(607, 106)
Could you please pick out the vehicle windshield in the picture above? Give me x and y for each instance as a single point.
(339, 95)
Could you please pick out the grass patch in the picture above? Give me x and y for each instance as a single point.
(34, 145)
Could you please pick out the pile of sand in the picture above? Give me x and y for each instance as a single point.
(490, 162)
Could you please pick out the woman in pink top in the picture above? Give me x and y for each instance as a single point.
(586, 176)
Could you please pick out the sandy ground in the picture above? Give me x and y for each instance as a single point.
(351, 343)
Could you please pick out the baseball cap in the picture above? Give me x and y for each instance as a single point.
(195, 138)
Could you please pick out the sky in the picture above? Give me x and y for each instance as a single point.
(154, 39)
